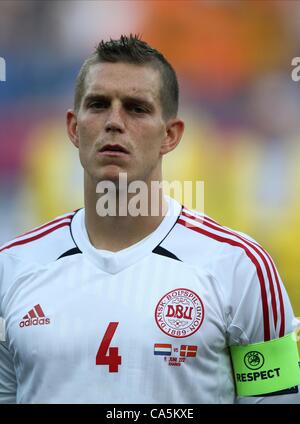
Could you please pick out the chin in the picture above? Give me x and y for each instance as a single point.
(111, 174)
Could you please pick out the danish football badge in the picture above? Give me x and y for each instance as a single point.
(179, 313)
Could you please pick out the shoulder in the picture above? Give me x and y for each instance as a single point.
(197, 236)
(206, 228)
(42, 244)
(234, 258)
(245, 272)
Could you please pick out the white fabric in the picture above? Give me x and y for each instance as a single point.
(82, 294)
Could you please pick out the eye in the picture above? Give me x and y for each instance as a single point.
(97, 105)
(138, 109)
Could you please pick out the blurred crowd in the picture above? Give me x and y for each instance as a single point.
(240, 104)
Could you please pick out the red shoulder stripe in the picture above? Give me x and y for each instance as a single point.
(38, 236)
(262, 254)
(47, 225)
(254, 261)
(281, 304)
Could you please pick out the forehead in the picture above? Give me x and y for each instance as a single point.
(123, 79)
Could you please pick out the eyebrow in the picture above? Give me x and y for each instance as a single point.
(126, 99)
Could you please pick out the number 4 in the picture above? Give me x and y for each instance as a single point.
(113, 360)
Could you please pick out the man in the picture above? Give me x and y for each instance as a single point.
(121, 307)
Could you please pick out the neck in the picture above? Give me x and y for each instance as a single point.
(117, 219)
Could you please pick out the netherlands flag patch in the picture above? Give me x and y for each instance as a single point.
(162, 349)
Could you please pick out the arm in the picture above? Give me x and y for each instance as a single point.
(269, 367)
(292, 398)
(8, 383)
(261, 312)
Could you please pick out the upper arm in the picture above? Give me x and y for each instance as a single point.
(260, 311)
(259, 304)
(8, 385)
(7, 371)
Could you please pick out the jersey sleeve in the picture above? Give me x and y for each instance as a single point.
(7, 372)
(8, 385)
(260, 310)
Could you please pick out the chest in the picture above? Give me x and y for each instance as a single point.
(74, 313)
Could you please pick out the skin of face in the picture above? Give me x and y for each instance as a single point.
(121, 107)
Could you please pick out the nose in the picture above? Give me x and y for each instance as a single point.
(114, 122)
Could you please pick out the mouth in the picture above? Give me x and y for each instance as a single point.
(113, 150)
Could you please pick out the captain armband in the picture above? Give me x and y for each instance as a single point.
(266, 367)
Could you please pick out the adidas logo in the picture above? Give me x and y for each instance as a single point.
(35, 316)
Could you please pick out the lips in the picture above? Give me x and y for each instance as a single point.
(113, 148)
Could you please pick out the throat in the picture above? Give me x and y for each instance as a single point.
(119, 232)
(113, 223)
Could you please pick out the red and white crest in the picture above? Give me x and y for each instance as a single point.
(179, 313)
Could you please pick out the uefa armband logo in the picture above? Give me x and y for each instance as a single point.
(254, 360)
(2, 69)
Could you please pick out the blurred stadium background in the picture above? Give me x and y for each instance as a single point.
(240, 104)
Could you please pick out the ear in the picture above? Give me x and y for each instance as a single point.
(71, 119)
(174, 131)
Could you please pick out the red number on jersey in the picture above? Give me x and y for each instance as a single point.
(113, 360)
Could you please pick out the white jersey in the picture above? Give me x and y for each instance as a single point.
(148, 324)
